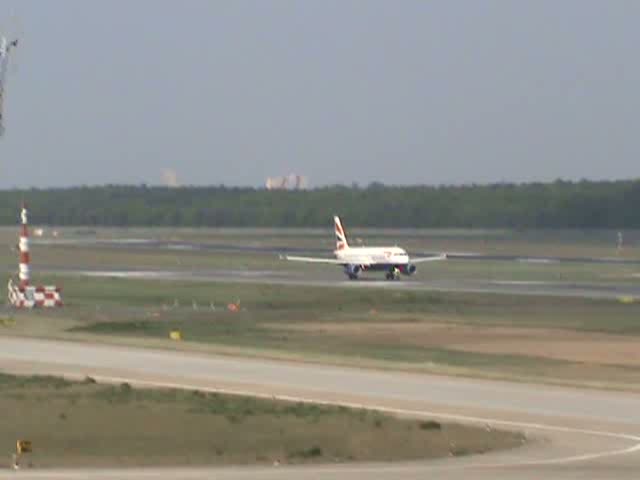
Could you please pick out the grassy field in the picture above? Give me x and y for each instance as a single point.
(549, 339)
(75, 424)
(567, 243)
(64, 251)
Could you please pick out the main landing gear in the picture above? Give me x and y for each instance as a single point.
(393, 274)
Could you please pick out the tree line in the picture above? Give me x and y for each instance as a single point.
(559, 204)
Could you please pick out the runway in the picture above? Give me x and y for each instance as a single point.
(334, 278)
(572, 434)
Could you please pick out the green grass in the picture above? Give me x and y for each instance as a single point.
(88, 424)
(248, 336)
(133, 300)
(241, 333)
(561, 242)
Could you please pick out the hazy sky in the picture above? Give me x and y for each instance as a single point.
(341, 91)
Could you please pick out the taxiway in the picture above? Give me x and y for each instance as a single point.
(585, 434)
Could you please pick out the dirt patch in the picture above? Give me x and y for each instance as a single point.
(557, 344)
(561, 345)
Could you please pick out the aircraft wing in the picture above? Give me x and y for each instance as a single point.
(331, 261)
(429, 259)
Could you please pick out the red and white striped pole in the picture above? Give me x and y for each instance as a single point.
(23, 246)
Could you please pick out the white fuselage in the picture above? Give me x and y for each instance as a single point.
(394, 261)
(371, 257)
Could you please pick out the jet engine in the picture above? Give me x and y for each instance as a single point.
(409, 269)
(352, 271)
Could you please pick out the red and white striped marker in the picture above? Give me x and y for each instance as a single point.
(24, 295)
(23, 246)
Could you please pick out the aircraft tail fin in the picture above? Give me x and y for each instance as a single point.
(341, 236)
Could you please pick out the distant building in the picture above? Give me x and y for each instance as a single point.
(289, 182)
(170, 178)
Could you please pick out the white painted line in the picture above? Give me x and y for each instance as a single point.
(537, 260)
(124, 274)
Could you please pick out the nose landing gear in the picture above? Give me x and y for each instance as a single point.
(393, 274)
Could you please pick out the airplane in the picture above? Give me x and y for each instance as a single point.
(391, 260)
(5, 47)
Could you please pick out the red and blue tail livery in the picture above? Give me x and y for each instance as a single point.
(341, 238)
